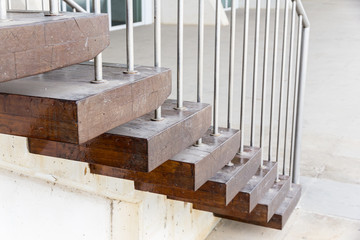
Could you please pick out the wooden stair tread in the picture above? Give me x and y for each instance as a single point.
(64, 106)
(260, 183)
(140, 145)
(263, 212)
(177, 172)
(217, 191)
(281, 215)
(32, 43)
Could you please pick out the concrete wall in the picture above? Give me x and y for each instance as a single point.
(50, 198)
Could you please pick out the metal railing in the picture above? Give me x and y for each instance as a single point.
(281, 141)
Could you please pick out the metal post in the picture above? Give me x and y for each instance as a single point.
(265, 68)
(9, 4)
(300, 104)
(282, 78)
(54, 7)
(26, 5)
(297, 72)
(130, 37)
(98, 62)
(272, 103)
(243, 77)
(157, 47)
(180, 54)
(232, 63)
(3, 9)
(290, 73)
(255, 73)
(200, 70)
(217, 70)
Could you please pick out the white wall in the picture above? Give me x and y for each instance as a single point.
(52, 198)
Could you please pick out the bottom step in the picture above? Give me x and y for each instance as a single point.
(281, 215)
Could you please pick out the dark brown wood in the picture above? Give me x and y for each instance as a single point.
(64, 106)
(258, 185)
(219, 190)
(181, 170)
(262, 212)
(32, 43)
(139, 145)
(281, 215)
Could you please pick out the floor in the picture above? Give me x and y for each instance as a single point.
(330, 204)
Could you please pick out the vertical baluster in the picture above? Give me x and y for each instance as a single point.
(255, 73)
(88, 5)
(274, 72)
(130, 37)
(98, 62)
(180, 54)
(217, 70)
(3, 10)
(63, 6)
(282, 78)
(300, 103)
(42, 5)
(157, 46)
(244, 77)
(26, 5)
(290, 72)
(265, 69)
(200, 60)
(9, 4)
(295, 99)
(54, 7)
(232, 64)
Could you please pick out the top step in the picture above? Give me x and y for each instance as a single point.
(32, 43)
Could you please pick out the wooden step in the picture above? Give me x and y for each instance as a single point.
(281, 215)
(258, 185)
(64, 106)
(189, 168)
(32, 43)
(262, 213)
(139, 145)
(219, 190)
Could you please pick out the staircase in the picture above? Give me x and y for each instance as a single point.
(111, 126)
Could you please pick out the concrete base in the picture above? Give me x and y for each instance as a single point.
(51, 198)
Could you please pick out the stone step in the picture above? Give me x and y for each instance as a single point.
(281, 215)
(140, 145)
(64, 106)
(219, 190)
(32, 43)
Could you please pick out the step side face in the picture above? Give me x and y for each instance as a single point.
(179, 171)
(64, 106)
(258, 185)
(139, 145)
(32, 43)
(262, 213)
(281, 215)
(215, 191)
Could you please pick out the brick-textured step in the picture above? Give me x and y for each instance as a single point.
(263, 212)
(258, 185)
(189, 168)
(219, 190)
(139, 145)
(281, 215)
(64, 106)
(32, 43)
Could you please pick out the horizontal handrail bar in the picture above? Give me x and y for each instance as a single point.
(301, 11)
